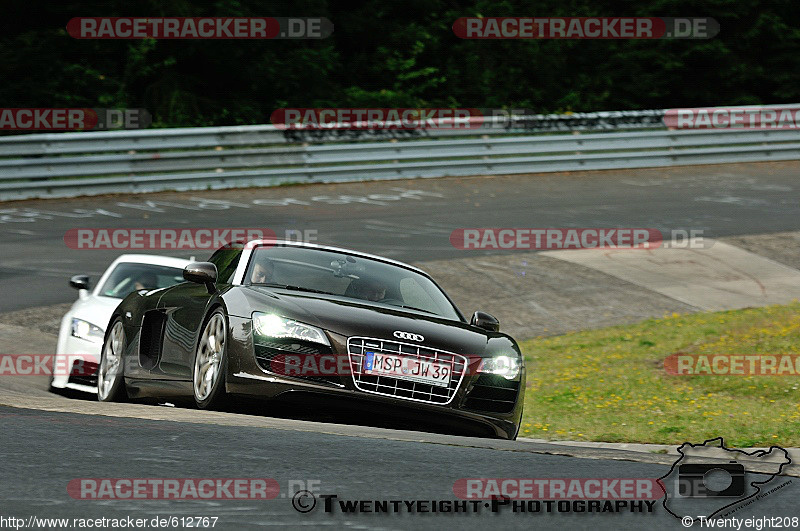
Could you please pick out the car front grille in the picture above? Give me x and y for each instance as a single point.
(492, 393)
(399, 388)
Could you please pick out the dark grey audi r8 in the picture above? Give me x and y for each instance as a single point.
(274, 319)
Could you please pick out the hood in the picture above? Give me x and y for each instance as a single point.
(350, 317)
(96, 310)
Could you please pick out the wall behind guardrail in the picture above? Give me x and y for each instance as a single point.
(91, 163)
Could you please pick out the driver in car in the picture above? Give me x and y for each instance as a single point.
(262, 271)
(369, 289)
(145, 280)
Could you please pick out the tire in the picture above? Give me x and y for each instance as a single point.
(111, 372)
(210, 362)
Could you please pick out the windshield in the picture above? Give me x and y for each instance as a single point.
(345, 275)
(129, 276)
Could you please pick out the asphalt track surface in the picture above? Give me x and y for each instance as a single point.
(47, 440)
(43, 451)
(407, 220)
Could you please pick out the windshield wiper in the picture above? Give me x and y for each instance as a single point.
(295, 288)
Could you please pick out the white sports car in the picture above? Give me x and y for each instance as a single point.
(83, 327)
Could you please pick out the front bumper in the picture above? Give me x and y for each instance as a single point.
(486, 404)
(75, 364)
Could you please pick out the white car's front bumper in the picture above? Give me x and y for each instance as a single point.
(77, 355)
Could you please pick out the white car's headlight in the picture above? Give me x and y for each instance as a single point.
(506, 366)
(271, 325)
(87, 331)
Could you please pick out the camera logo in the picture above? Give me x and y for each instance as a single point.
(700, 480)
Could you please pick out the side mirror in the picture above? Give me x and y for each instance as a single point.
(485, 321)
(201, 273)
(79, 282)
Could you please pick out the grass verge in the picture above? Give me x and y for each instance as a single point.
(610, 384)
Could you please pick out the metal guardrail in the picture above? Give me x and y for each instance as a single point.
(70, 164)
(251, 135)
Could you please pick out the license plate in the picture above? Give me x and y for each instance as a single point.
(428, 372)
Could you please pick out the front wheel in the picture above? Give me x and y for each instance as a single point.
(110, 373)
(208, 378)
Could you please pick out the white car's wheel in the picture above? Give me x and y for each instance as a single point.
(110, 374)
(208, 379)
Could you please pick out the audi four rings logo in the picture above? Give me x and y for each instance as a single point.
(399, 334)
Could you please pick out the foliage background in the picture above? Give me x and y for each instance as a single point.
(395, 53)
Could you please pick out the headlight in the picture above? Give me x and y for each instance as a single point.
(271, 325)
(506, 366)
(87, 331)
